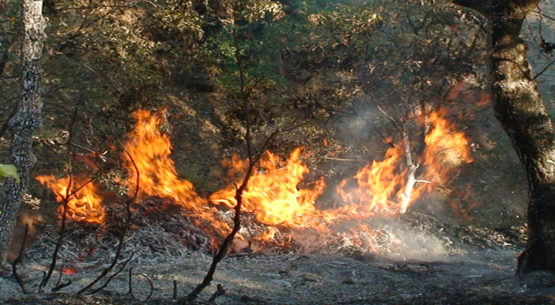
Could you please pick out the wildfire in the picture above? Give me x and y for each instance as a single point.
(83, 201)
(391, 186)
(148, 150)
(273, 192)
(276, 194)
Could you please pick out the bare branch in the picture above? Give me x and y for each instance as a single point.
(543, 69)
(253, 160)
(18, 260)
(66, 198)
(129, 215)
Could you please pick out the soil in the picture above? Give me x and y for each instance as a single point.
(316, 279)
(475, 266)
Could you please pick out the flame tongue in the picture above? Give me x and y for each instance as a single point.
(149, 150)
(273, 192)
(378, 182)
(84, 203)
(446, 148)
(390, 187)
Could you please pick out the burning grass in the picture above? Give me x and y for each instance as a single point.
(482, 275)
(278, 211)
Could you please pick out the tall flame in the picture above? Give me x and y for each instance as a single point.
(391, 186)
(148, 152)
(275, 193)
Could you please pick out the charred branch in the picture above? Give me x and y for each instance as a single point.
(105, 272)
(219, 292)
(67, 197)
(253, 160)
(18, 260)
(61, 286)
(130, 282)
(128, 217)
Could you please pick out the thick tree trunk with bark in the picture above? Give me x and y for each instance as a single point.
(523, 115)
(25, 122)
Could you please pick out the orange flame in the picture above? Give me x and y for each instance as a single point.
(390, 187)
(446, 148)
(377, 182)
(149, 150)
(83, 202)
(273, 192)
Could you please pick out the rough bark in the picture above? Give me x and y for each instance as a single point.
(523, 115)
(25, 122)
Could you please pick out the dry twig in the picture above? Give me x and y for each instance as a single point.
(128, 217)
(253, 160)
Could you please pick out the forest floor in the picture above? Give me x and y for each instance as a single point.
(477, 267)
(166, 254)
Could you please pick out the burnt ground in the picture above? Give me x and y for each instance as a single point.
(328, 279)
(320, 279)
(451, 265)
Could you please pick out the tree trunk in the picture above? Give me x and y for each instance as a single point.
(523, 115)
(25, 122)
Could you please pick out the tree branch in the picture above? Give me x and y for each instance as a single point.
(483, 7)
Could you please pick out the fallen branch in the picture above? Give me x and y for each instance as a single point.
(130, 292)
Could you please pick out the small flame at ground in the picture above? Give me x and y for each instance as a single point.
(83, 201)
(273, 193)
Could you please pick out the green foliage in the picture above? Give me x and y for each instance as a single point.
(302, 60)
(319, 64)
(9, 62)
(9, 170)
